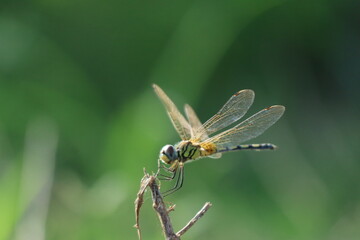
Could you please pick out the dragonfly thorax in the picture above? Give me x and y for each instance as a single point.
(168, 154)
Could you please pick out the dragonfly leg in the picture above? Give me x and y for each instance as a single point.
(179, 182)
(160, 166)
(167, 178)
(171, 170)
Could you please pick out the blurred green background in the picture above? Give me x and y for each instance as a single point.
(79, 119)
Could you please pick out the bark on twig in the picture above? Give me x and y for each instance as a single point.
(161, 210)
(145, 181)
(194, 219)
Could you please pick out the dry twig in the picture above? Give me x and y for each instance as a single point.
(161, 210)
(194, 219)
(145, 181)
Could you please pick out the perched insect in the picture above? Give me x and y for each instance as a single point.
(195, 137)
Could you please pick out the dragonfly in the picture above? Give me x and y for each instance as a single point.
(205, 140)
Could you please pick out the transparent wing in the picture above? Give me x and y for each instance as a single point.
(196, 126)
(177, 119)
(234, 109)
(248, 129)
(194, 121)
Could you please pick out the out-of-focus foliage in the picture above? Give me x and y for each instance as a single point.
(79, 120)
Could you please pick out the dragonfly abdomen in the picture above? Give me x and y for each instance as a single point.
(262, 146)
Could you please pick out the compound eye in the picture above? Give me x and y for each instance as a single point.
(170, 152)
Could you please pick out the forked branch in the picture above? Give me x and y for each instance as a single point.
(161, 210)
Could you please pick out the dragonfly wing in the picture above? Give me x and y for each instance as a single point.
(216, 155)
(234, 109)
(177, 119)
(248, 129)
(195, 123)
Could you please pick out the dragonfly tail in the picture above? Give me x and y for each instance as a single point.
(262, 146)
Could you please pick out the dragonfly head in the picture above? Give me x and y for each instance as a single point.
(168, 154)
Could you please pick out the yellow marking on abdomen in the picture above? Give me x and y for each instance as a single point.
(207, 149)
